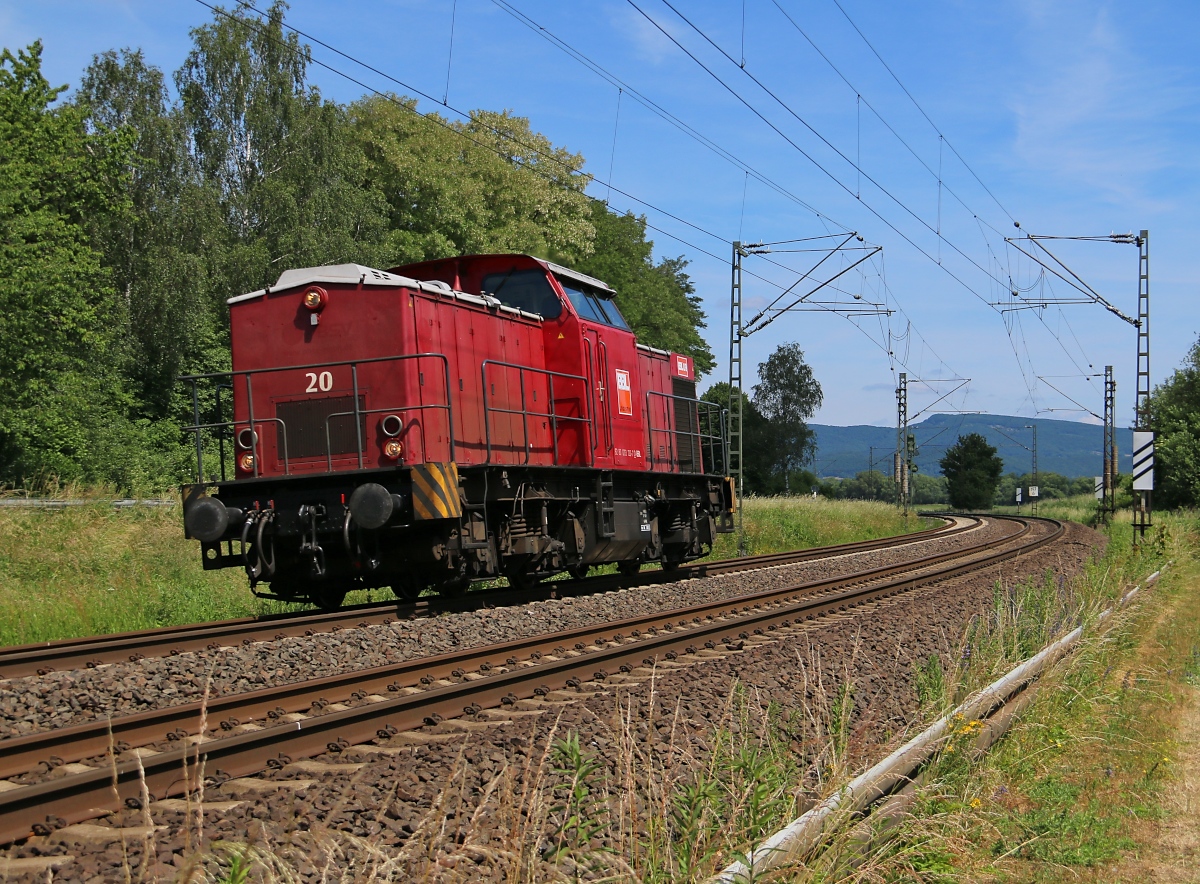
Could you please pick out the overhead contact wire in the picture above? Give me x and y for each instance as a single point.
(917, 105)
(569, 169)
(812, 159)
(659, 110)
(859, 98)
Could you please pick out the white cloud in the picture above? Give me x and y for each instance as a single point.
(648, 42)
(1096, 108)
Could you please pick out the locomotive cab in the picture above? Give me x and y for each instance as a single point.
(447, 421)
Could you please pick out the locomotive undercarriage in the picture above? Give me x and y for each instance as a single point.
(437, 527)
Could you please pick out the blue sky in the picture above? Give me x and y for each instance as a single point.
(1073, 117)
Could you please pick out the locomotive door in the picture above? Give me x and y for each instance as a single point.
(599, 394)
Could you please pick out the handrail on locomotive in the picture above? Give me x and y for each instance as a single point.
(525, 413)
(705, 436)
(228, 429)
(707, 420)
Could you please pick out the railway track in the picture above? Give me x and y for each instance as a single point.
(40, 659)
(274, 726)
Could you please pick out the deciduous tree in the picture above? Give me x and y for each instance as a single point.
(972, 470)
(161, 251)
(759, 444)
(489, 185)
(61, 393)
(1175, 418)
(787, 394)
(290, 181)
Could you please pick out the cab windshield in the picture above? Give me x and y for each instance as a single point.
(527, 290)
(590, 305)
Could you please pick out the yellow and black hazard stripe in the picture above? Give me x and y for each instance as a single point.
(435, 491)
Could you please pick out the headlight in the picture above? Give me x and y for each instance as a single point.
(393, 449)
(246, 462)
(391, 424)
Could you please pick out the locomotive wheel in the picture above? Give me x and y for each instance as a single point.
(456, 583)
(578, 571)
(670, 566)
(455, 587)
(628, 569)
(327, 597)
(407, 589)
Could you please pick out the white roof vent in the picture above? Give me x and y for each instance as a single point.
(344, 274)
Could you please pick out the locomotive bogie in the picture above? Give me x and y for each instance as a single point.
(318, 537)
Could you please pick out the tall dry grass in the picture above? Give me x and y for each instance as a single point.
(642, 797)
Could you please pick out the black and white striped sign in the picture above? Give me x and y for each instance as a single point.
(1143, 461)
(1099, 488)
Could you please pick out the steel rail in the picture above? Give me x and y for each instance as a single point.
(90, 652)
(21, 754)
(80, 796)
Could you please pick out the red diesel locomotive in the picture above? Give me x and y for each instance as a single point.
(444, 422)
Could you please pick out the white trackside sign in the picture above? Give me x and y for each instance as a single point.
(1143, 461)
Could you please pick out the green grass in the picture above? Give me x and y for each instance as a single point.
(94, 569)
(1073, 786)
(779, 524)
(1082, 508)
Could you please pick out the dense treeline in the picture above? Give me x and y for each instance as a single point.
(1174, 413)
(130, 211)
(874, 485)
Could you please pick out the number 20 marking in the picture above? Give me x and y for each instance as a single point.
(323, 381)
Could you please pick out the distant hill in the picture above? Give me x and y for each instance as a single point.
(1066, 447)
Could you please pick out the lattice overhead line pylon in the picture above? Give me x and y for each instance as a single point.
(1143, 436)
(740, 329)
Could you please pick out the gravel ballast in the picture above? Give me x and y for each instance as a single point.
(61, 699)
(451, 802)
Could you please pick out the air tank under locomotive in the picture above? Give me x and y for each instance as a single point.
(443, 422)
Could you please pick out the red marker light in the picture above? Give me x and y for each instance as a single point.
(315, 298)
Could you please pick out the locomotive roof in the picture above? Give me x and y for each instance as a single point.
(341, 273)
(559, 270)
(361, 275)
(604, 289)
